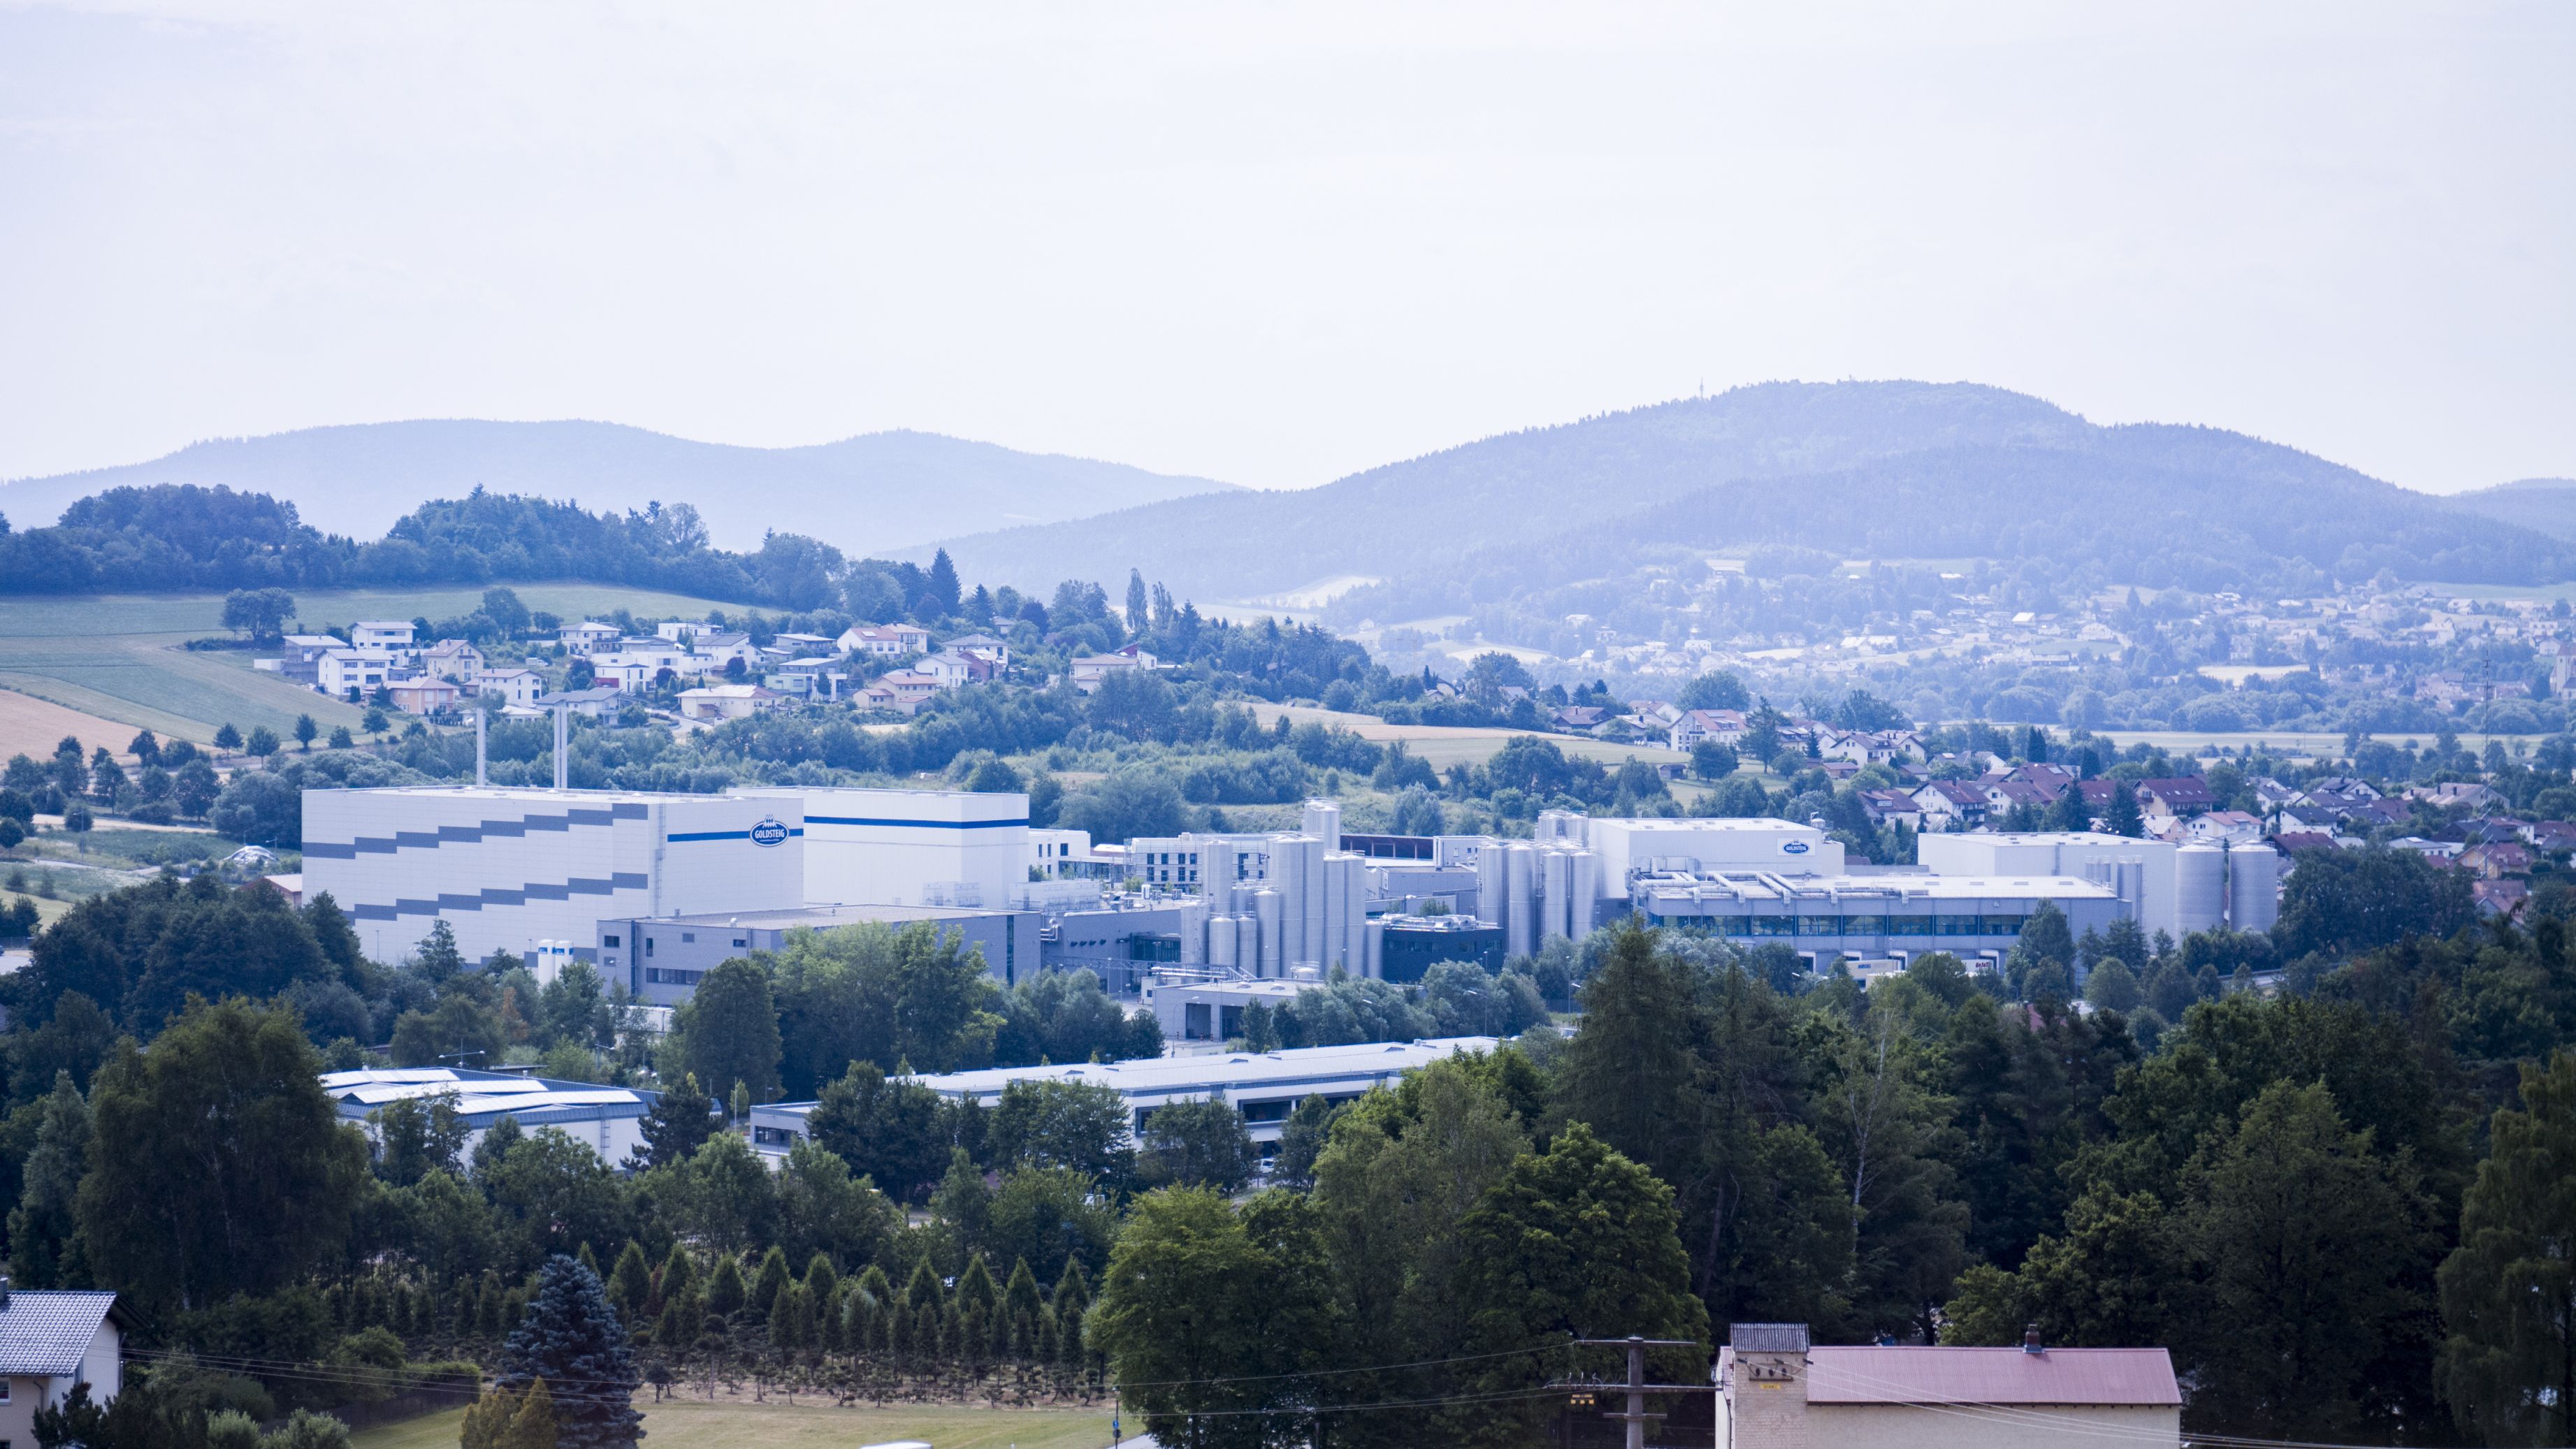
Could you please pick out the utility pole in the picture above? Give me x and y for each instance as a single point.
(1637, 1387)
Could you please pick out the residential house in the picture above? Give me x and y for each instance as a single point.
(2178, 798)
(381, 636)
(886, 641)
(2440, 852)
(2495, 862)
(681, 631)
(2379, 813)
(2550, 836)
(1654, 714)
(797, 646)
(1871, 747)
(351, 674)
(2290, 842)
(1581, 719)
(997, 650)
(952, 669)
(2223, 827)
(810, 679)
(587, 637)
(901, 690)
(423, 693)
(1089, 670)
(715, 651)
(53, 1342)
(1951, 805)
(1726, 726)
(2343, 790)
(2455, 793)
(455, 659)
(514, 686)
(729, 701)
(302, 661)
(2003, 796)
(2501, 897)
(593, 703)
(1892, 807)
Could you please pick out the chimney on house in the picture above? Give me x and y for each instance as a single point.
(2030, 1339)
(4, 1290)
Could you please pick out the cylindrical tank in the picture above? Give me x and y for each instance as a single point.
(1222, 939)
(1519, 909)
(2200, 888)
(1587, 891)
(2133, 886)
(1268, 905)
(1239, 897)
(1489, 882)
(1194, 918)
(2253, 887)
(1311, 944)
(1247, 944)
(1558, 881)
(1376, 951)
(1356, 915)
(1328, 939)
(1288, 878)
(1323, 820)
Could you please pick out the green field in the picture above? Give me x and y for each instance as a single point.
(728, 1424)
(119, 656)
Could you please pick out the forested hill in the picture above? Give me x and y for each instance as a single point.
(1887, 469)
(864, 494)
(2545, 504)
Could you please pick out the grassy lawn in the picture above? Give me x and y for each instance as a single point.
(118, 656)
(681, 1424)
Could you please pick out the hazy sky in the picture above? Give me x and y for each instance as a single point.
(1274, 243)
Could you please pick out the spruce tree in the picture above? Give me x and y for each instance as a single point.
(2506, 1288)
(725, 1289)
(571, 1336)
(773, 1278)
(678, 1274)
(630, 1286)
(44, 1246)
(680, 1118)
(534, 1426)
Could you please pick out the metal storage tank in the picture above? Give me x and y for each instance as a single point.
(1587, 893)
(2200, 888)
(1312, 944)
(1323, 820)
(1288, 878)
(1557, 879)
(1194, 920)
(1247, 944)
(1223, 936)
(1519, 913)
(2253, 887)
(1349, 874)
(1327, 945)
(1489, 882)
(1376, 969)
(1267, 906)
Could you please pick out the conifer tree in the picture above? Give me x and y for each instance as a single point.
(572, 1336)
(773, 1277)
(533, 1427)
(725, 1289)
(678, 1274)
(488, 1419)
(630, 1286)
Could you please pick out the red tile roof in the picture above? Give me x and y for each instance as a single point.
(1882, 1375)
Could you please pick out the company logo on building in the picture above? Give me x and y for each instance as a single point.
(770, 831)
(1793, 847)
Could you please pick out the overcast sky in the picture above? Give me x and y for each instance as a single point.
(1275, 243)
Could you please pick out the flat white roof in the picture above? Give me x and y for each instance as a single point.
(530, 792)
(477, 1094)
(1360, 1065)
(1749, 885)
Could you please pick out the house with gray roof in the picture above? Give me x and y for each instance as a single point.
(52, 1342)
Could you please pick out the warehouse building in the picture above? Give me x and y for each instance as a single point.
(607, 1120)
(662, 958)
(512, 869)
(1264, 1086)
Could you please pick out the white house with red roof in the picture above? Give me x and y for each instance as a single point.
(1776, 1390)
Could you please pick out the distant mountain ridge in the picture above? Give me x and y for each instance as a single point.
(1885, 469)
(866, 494)
(2545, 504)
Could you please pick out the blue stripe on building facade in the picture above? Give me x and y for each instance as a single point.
(718, 835)
(914, 824)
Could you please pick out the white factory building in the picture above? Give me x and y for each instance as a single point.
(509, 869)
(910, 847)
(534, 871)
(607, 1120)
(1265, 1087)
(2168, 888)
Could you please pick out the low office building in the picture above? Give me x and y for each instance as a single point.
(608, 1120)
(1212, 1011)
(662, 958)
(52, 1342)
(1871, 916)
(1778, 1391)
(508, 868)
(1411, 945)
(1265, 1087)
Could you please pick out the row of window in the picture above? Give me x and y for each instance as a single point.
(1765, 926)
(671, 976)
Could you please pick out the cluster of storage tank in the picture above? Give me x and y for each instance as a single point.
(2215, 886)
(1534, 890)
(1312, 912)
